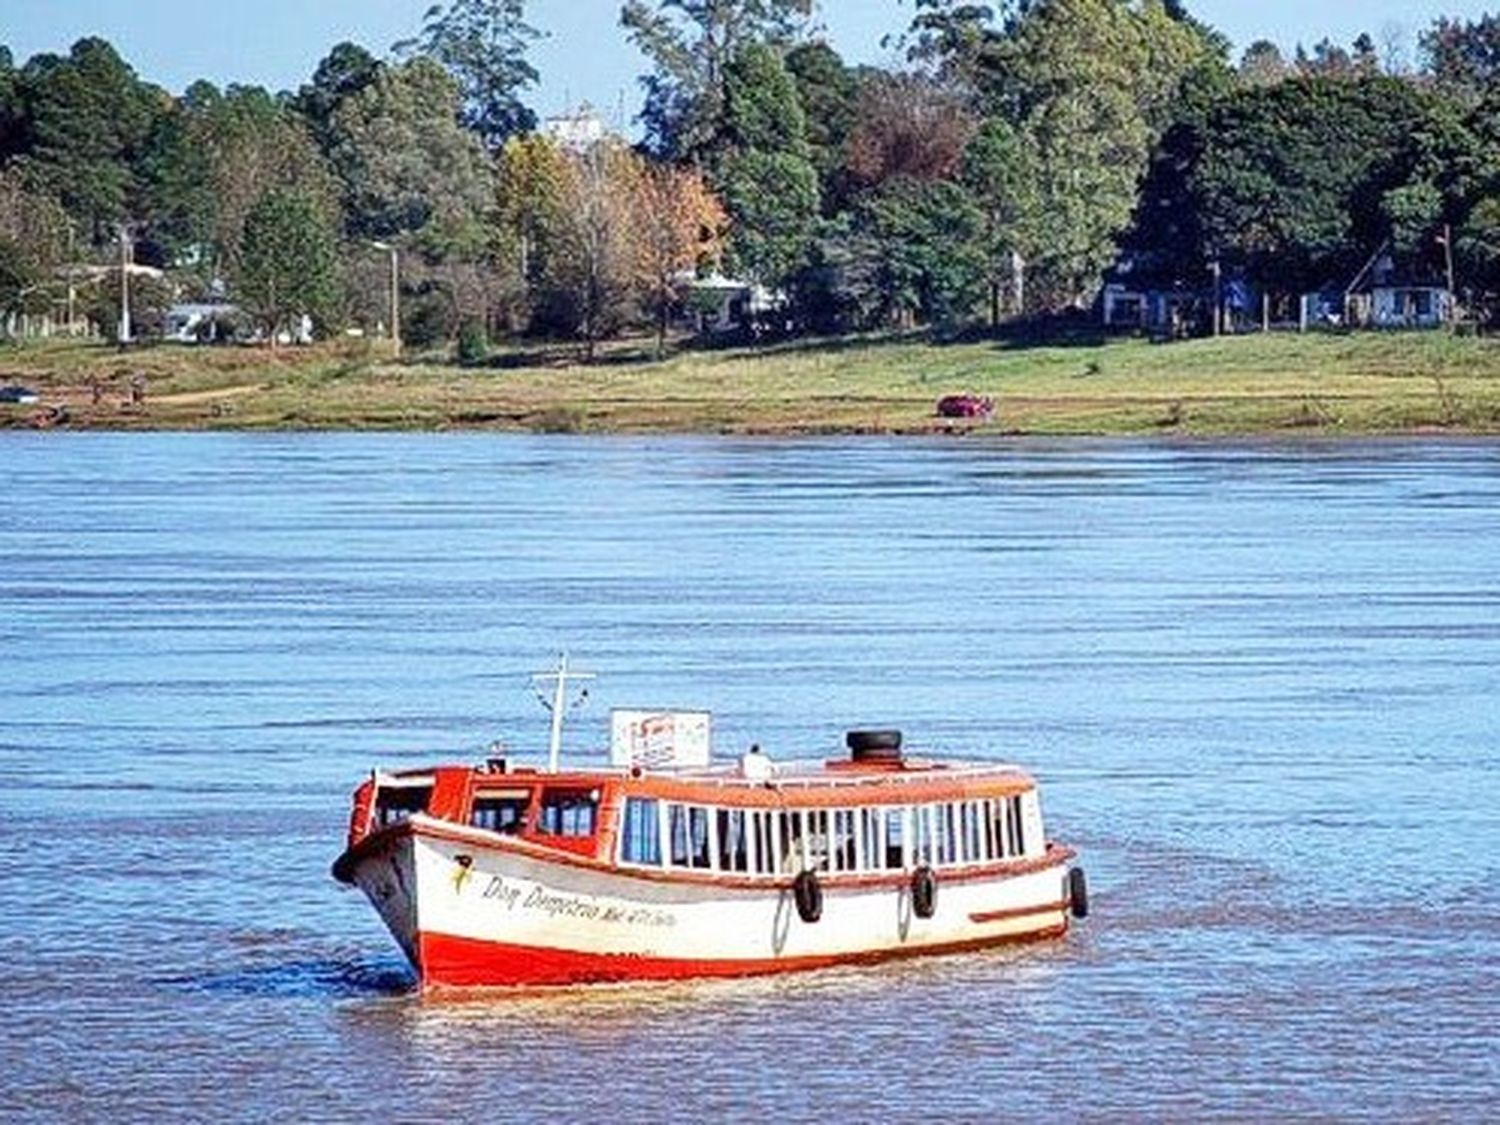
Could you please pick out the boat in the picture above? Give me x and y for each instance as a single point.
(667, 863)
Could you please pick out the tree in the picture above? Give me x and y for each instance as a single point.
(769, 185)
(252, 145)
(679, 226)
(1263, 65)
(289, 264)
(907, 125)
(11, 110)
(87, 117)
(910, 254)
(690, 44)
(1463, 57)
(407, 167)
(593, 276)
(1091, 84)
(1000, 172)
(827, 91)
(483, 44)
(33, 242)
(344, 72)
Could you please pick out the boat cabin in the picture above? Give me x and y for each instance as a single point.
(752, 820)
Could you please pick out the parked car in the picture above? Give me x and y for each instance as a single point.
(18, 394)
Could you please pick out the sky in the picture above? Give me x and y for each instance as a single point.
(585, 56)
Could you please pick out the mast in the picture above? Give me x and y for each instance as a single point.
(558, 703)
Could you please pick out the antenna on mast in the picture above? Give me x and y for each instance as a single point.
(558, 703)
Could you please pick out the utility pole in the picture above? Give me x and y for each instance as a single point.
(390, 249)
(124, 333)
(1448, 261)
(1218, 296)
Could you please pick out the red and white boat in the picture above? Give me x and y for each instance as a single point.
(668, 865)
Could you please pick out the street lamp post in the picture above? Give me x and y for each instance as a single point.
(395, 291)
(124, 333)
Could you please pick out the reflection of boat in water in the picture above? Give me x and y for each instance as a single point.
(666, 865)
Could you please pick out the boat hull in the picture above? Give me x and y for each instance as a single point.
(473, 910)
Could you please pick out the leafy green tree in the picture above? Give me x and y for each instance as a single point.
(344, 72)
(1000, 172)
(769, 184)
(827, 91)
(1091, 84)
(483, 44)
(1291, 179)
(406, 165)
(87, 117)
(289, 265)
(11, 110)
(690, 44)
(909, 253)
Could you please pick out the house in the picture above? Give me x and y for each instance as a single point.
(1400, 290)
(719, 304)
(575, 132)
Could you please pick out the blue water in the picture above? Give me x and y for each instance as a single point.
(1258, 683)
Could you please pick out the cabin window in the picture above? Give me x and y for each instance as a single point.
(1000, 825)
(500, 812)
(895, 838)
(815, 838)
(688, 828)
(973, 833)
(991, 835)
(733, 848)
(788, 843)
(569, 812)
(761, 837)
(395, 803)
(1017, 838)
(640, 836)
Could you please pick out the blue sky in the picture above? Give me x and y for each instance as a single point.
(277, 43)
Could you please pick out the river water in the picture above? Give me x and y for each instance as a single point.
(1258, 683)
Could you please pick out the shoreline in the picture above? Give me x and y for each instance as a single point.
(1417, 384)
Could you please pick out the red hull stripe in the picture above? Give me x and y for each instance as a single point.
(1019, 912)
(456, 962)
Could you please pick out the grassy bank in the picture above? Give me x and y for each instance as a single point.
(1359, 384)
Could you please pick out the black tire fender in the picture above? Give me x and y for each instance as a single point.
(1078, 892)
(807, 892)
(923, 892)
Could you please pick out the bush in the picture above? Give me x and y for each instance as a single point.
(473, 343)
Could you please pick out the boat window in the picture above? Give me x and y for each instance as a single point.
(761, 845)
(688, 829)
(871, 846)
(788, 842)
(1000, 827)
(815, 834)
(895, 824)
(569, 812)
(500, 812)
(947, 835)
(640, 837)
(973, 833)
(1016, 840)
(991, 836)
(733, 851)
(395, 803)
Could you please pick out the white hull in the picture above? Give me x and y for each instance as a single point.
(471, 909)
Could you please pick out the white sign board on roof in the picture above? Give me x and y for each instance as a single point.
(654, 739)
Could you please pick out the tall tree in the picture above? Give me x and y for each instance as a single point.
(679, 226)
(690, 44)
(1463, 57)
(344, 72)
(87, 118)
(768, 182)
(907, 125)
(1000, 171)
(483, 44)
(827, 91)
(1090, 84)
(406, 165)
(289, 266)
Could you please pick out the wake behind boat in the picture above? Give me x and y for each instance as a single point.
(666, 864)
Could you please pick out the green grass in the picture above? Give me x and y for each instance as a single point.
(1356, 384)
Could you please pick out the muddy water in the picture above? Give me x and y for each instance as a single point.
(1258, 683)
